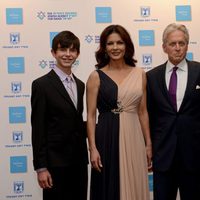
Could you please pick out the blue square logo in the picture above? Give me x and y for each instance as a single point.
(189, 56)
(146, 38)
(18, 164)
(17, 115)
(52, 35)
(151, 182)
(14, 16)
(183, 13)
(15, 65)
(103, 15)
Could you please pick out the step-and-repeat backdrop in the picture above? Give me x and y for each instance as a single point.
(26, 32)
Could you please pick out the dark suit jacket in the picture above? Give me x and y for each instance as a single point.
(58, 132)
(174, 131)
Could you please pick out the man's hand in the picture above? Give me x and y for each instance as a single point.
(44, 179)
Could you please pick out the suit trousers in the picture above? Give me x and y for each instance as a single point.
(69, 183)
(167, 183)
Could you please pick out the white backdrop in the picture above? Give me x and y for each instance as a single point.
(25, 29)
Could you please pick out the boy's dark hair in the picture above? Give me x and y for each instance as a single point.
(66, 39)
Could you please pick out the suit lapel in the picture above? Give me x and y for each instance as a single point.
(192, 76)
(162, 81)
(163, 86)
(56, 82)
(79, 96)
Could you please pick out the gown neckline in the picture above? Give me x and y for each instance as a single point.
(118, 85)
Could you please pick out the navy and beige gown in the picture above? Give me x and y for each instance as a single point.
(120, 141)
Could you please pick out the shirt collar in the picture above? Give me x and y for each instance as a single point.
(62, 75)
(181, 66)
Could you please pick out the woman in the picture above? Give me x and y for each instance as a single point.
(120, 142)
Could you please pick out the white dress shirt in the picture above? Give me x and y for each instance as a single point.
(63, 77)
(182, 76)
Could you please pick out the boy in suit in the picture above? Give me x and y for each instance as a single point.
(58, 133)
(174, 113)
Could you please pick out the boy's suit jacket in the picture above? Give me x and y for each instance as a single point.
(58, 131)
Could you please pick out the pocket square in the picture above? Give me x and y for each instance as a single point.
(197, 87)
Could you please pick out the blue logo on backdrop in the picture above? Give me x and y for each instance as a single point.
(14, 16)
(17, 139)
(14, 38)
(52, 35)
(47, 63)
(151, 182)
(18, 164)
(56, 16)
(147, 59)
(90, 38)
(189, 56)
(18, 187)
(41, 15)
(15, 65)
(183, 13)
(17, 114)
(103, 15)
(43, 63)
(145, 11)
(52, 63)
(17, 136)
(146, 38)
(16, 90)
(16, 87)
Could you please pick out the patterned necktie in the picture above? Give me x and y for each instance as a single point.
(70, 89)
(173, 87)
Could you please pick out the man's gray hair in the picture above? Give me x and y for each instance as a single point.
(174, 27)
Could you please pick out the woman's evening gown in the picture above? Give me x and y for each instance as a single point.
(120, 141)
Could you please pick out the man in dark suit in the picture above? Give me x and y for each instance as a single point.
(174, 111)
(58, 133)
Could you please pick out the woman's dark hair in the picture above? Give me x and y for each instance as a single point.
(101, 55)
(66, 39)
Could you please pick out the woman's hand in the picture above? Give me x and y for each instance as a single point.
(149, 157)
(95, 159)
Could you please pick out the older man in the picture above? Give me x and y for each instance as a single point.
(174, 112)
